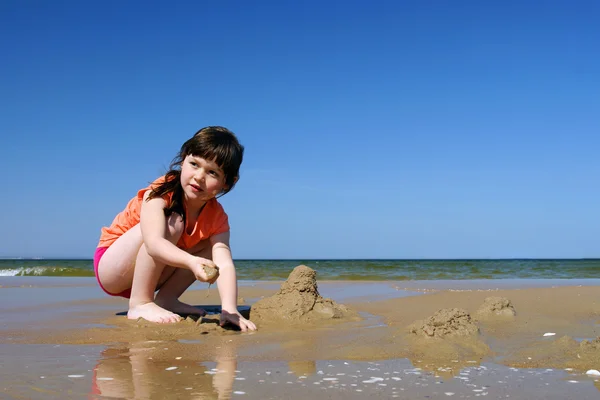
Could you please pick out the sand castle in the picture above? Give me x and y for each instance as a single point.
(495, 307)
(298, 300)
(458, 322)
(445, 322)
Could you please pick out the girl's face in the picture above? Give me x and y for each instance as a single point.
(201, 179)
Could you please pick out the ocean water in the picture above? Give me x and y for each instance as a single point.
(354, 270)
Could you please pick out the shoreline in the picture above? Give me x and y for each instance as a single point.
(356, 270)
(17, 281)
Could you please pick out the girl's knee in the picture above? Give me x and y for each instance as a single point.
(175, 227)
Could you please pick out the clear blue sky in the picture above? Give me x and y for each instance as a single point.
(379, 129)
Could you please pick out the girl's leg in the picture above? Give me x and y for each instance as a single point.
(127, 265)
(179, 281)
(116, 266)
(146, 276)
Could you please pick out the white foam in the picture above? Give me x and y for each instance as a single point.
(23, 271)
(373, 380)
(593, 372)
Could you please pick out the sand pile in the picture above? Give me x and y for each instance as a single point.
(298, 300)
(564, 352)
(590, 345)
(445, 322)
(448, 337)
(495, 307)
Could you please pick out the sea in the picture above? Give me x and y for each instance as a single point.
(353, 270)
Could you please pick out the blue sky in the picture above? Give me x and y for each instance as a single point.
(384, 129)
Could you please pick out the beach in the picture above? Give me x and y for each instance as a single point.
(402, 191)
(63, 338)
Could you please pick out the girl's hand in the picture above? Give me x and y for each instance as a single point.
(204, 270)
(237, 319)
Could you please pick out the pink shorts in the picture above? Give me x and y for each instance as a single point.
(97, 256)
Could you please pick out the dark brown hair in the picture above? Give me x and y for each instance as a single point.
(213, 143)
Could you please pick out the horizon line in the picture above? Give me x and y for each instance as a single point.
(334, 259)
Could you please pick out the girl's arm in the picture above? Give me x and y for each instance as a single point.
(153, 224)
(227, 282)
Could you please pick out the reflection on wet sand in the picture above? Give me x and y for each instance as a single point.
(303, 368)
(148, 370)
(165, 369)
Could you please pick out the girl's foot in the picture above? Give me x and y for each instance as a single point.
(180, 308)
(153, 313)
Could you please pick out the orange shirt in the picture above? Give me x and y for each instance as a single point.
(211, 221)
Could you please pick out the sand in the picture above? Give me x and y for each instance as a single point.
(382, 338)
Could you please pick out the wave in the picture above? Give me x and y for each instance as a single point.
(368, 270)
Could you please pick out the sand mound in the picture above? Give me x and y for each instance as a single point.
(445, 322)
(448, 337)
(565, 342)
(495, 307)
(564, 352)
(590, 345)
(585, 348)
(298, 300)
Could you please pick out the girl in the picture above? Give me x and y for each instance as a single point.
(171, 230)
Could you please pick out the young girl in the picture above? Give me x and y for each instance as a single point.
(171, 230)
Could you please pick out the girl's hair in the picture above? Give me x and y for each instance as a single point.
(213, 143)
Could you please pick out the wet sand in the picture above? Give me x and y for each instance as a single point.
(62, 338)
